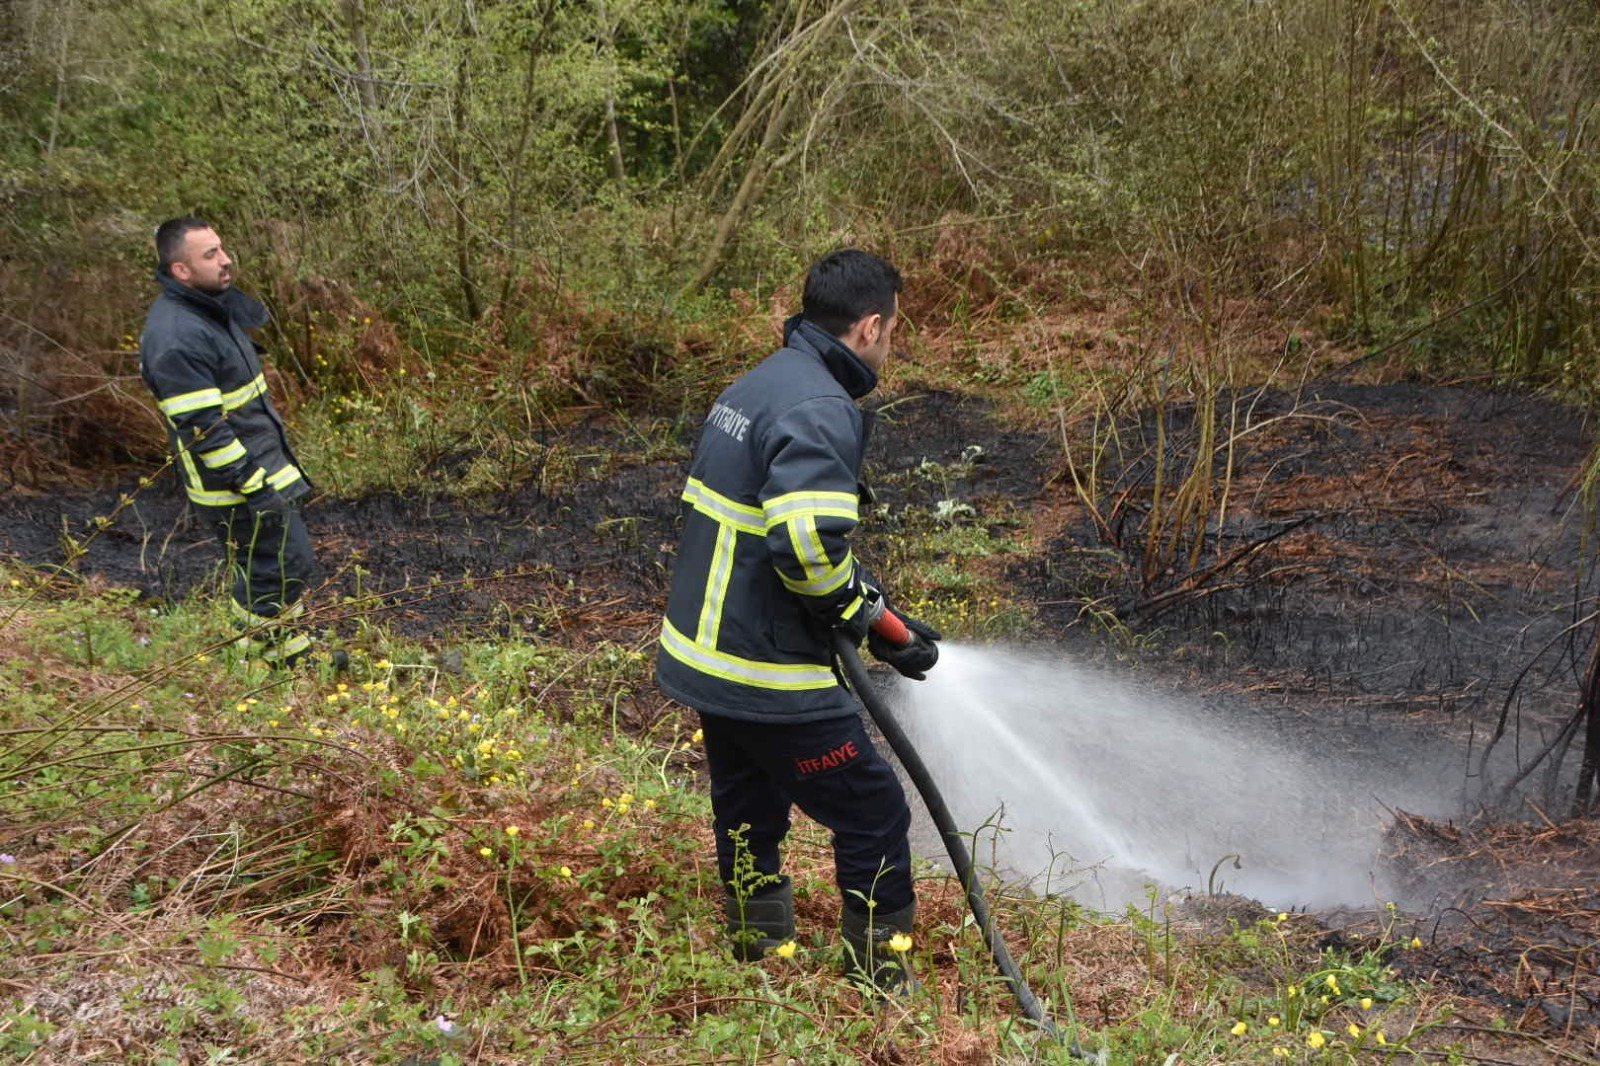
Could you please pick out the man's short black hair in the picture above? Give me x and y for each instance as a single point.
(170, 235)
(846, 286)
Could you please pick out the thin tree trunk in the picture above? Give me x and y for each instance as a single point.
(519, 159)
(355, 15)
(619, 173)
(469, 290)
(755, 179)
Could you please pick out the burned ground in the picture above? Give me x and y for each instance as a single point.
(1395, 558)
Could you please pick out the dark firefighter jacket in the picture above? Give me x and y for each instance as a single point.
(203, 370)
(764, 568)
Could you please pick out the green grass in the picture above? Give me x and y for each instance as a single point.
(221, 865)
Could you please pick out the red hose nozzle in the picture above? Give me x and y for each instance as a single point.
(890, 628)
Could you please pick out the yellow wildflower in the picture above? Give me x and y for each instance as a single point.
(1280, 1052)
(699, 735)
(1382, 1040)
(1274, 1021)
(566, 871)
(1332, 982)
(900, 942)
(785, 950)
(588, 823)
(1316, 1040)
(1353, 1029)
(1416, 942)
(486, 852)
(383, 664)
(1293, 991)
(1366, 1002)
(1239, 1029)
(512, 830)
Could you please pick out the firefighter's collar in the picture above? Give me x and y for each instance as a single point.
(233, 304)
(847, 368)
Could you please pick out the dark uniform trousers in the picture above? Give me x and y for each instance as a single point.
(272, 563)
(832, 772)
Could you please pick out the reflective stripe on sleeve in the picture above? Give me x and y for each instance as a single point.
(198, 400)
(288, 475)
(220, 457)
(822, 582)
(244, 394)
(790, 505)
(788, 677)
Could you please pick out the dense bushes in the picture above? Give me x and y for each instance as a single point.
(1418, 174)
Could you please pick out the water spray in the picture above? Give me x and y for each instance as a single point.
(955, 844)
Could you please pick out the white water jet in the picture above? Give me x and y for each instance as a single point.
(1100, 786)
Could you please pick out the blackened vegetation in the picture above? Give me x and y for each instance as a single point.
(1415, 548)
(1518, 910)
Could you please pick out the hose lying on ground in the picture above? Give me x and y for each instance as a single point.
(955, 845)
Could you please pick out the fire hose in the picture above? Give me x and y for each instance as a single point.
(954, 843)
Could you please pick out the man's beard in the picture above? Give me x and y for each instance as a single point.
(218, 289)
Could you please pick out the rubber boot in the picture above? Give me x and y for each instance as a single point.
(868, 956)
(759, 923)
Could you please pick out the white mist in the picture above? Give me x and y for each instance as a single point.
(1099, 786)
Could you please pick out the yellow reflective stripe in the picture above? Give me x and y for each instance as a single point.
(244, 394)
(286, 476)
(850, 611)
(807, 544)
(246, 616)
(228, 453)
(207, 497)
(815, 504)
(254, 481)
(214, 498)
(824, 582)
(720, 508)
(190, 401)
(710, 626)
(785, 677)
(291, 647)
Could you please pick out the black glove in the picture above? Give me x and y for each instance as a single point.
(912, 660)
(267, 502)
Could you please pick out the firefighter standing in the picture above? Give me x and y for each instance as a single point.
(232, 453)
(764, 574)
